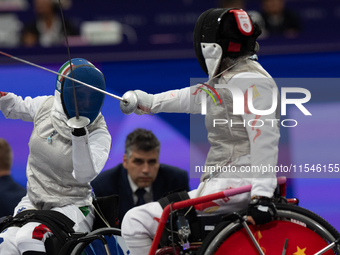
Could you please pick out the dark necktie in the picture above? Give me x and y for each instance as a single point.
(140, 194)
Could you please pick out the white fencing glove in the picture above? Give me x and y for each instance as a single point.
(144, 102)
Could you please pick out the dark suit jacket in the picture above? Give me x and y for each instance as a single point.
(11, 194)
(115, 181)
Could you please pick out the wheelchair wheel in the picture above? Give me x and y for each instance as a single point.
(306, 232)
(114, 240)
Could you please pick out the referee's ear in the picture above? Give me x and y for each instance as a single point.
(125, 161)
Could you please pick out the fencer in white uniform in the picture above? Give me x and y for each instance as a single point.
(62, 161)
(225, 44)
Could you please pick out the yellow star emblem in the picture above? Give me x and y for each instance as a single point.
(300, 251)
(255, 92)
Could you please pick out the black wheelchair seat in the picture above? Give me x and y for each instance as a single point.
(106, 216)
(64, 238)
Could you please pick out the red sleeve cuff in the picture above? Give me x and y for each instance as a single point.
(2, 94)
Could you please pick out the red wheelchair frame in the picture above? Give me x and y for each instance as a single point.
(241, 231)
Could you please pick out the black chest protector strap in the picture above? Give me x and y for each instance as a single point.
(60, 225)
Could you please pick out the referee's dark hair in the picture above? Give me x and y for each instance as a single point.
(141, 139)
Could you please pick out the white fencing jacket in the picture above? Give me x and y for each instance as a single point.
(60, 166)
(253, 142)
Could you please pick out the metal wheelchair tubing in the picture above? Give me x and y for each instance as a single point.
(102, 231)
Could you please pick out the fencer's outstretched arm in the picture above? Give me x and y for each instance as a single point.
(186, 100)
(14, 107)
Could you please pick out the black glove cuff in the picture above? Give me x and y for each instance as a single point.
(260, 216)
(79, 132)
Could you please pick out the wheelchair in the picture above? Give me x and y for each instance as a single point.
(104, 239)
(294, 231)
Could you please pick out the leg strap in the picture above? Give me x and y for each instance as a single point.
(173, 197)
(190, 215)
(60, 225)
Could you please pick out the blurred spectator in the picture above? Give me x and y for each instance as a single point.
(13, 5)
(10, 27)
(47, 29)
(279, 20)
(11, 192)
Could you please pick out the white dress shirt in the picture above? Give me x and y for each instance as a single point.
(148, 196)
